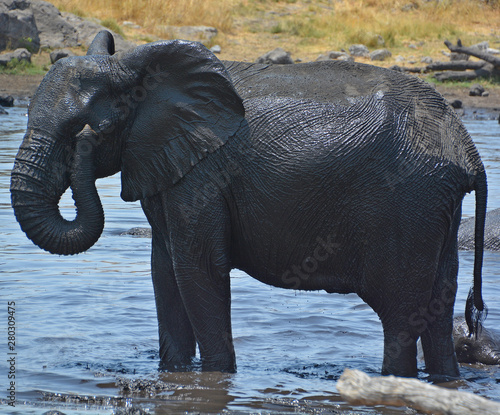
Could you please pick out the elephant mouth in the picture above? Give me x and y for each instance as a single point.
(40, 176)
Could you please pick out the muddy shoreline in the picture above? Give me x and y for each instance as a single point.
(22, 87)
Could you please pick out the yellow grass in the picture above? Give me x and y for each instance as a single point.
(248, 28)
(153, 14)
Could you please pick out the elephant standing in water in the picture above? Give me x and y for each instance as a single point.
(484, 347)
(330, 176)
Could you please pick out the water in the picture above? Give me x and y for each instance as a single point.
(82, 321)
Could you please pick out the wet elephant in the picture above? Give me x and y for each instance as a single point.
(332, 176)
(481, 348)
(466, 232)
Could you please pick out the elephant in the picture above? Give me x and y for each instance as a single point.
(483, 348)
(466, 232)
(335, 176)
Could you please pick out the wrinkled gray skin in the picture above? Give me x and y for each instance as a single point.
(483, 348)
(466, 232)
(328, 176)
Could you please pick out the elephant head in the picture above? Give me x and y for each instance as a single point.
(152, 113)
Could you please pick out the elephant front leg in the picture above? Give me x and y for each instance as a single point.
(177, 341)
(201, 253)
(400, 352)
(207, 296)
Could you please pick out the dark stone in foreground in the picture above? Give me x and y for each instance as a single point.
(6, 101)
(491, 232)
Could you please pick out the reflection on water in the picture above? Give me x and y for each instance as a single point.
(84, 320)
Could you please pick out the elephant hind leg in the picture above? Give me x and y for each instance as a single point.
(437, 339)
(398, 298)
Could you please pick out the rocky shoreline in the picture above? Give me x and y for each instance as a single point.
(48, 29)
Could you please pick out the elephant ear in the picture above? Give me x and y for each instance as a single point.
(182, 106)
(103, 44)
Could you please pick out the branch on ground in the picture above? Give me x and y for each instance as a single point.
(358, 388)
(461, 70)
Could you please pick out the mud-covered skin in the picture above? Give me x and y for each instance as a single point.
(483, 348)
(322, 176)
(491, 232)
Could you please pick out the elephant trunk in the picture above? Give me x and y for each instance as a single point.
(40, 176)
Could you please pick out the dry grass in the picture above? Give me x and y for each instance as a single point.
(248, 28)
(153, 14)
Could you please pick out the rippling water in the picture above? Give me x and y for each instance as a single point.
(82, 321)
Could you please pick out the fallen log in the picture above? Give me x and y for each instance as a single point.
(485, 72)
(358, 388)
(461, 70)
(455, 66)
(476, 52)
(488, 66)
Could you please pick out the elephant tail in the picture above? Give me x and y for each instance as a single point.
(475, 309)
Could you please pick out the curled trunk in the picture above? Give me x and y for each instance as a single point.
(42, 173)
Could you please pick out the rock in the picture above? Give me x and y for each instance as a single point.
(400, 58)
(20, 54)
(59, 54)
(485, 94)
(491, 232)
(276, 56)
(195, 33)
(35, 23)
(216, 49)
(457, 104)
(380, 54)
(3, 111)
(17, 26)
(333, 55)
(359, 50)
(476, 90)
(6, 100)
(54, 31)
(426, 59)
(87, 30)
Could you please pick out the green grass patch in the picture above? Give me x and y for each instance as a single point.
(15, 67)
(113, 25)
